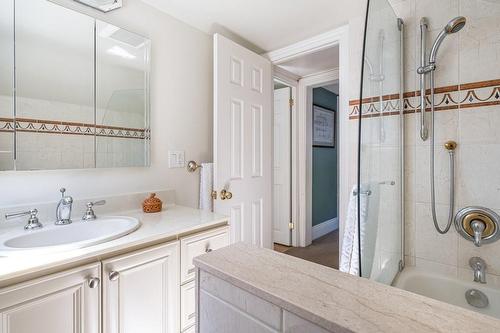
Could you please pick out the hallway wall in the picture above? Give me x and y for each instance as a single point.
(324, 193)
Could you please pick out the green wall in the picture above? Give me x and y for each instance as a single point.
(324, 182)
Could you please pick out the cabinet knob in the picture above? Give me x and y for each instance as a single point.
(113, 275)
(93, 282)
(208, 250)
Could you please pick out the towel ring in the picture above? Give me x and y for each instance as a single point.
(192, 166)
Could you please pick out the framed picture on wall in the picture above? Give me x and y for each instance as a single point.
(323, 127)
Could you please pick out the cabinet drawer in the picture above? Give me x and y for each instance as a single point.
(188, 308)
(193, 246)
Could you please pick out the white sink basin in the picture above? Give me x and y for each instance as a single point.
(55, 238)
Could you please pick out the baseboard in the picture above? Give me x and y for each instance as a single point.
(325, 227)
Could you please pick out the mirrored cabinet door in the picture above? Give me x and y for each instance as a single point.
(122, 97)
(74, 91)
(54, 87)
(6, 85)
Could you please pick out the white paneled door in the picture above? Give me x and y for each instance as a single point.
(243, 141)
(282, 233)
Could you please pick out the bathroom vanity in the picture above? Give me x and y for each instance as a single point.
(141, 282)
(241, 288)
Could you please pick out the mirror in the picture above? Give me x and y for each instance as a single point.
(81, 90)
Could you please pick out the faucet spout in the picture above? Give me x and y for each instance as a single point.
(478, 265)
(478, 228)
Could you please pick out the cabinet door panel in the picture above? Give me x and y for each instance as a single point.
(58, 303)
(188, 307)
(141, 291)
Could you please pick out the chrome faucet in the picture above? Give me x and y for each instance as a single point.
(89, 213)
(478, 265)
(63, 210)
(478, 228)
(33, 222)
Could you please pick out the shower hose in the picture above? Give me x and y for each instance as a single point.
(452, 171)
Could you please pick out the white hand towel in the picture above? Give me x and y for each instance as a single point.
(349, 259)
(206, 186)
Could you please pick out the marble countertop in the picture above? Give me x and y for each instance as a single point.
(336, 301)
(170, 224)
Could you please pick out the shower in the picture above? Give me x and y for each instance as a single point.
(429, 67)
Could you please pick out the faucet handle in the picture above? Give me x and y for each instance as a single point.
(33, 222)
(96, 203)
(478, 228)
(89, 213)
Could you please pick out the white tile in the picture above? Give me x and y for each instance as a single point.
(479, 177)
(441, 174)
(480, 125)
(438, 268)
(437, 12)
(430, 245)
(479, 51)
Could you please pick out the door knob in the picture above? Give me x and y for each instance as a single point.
(225, 195)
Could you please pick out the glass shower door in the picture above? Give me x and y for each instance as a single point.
(379, 189)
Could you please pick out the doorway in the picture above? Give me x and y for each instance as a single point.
(317, 75)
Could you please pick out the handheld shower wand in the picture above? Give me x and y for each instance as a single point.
(453, 26)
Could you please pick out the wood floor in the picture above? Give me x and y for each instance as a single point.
(323, 251)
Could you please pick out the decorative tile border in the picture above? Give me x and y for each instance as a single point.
(71, 128)
(469, 95)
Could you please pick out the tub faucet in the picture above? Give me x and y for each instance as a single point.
(63, 210)
(478, 265)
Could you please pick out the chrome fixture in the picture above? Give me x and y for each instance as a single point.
(63, 210)
(478, 224)
(476, 298)
(89, 213)
(93, 282)
(192, 166)
(33, 222)
(478, 265)
(453, 26)
(102, 5)
(424, 27)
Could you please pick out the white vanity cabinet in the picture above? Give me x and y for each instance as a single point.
(58, 303)
(193, 246)
(149, 290)
(141, 291)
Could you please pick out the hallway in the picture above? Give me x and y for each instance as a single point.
(323, 251)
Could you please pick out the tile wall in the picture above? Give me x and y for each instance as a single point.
(468, 99)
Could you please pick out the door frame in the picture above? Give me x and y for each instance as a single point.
(302, 133)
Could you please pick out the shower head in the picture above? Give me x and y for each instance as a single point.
(453, 26)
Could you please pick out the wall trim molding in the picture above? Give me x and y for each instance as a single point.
(325, 227)
(307, 46)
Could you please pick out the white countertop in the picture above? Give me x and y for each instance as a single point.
(170, 224)
(333, 300)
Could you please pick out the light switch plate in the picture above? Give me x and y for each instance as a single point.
(176, 159)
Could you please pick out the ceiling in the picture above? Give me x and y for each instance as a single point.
(265, 24)
(313, 63)
(334, 88)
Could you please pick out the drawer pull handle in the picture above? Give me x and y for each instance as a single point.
(93, 282)
(113, 275)
(208, 250)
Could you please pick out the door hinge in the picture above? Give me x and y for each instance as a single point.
(291, 226)
(291, 101)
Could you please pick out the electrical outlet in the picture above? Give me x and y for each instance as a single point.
(176, 159)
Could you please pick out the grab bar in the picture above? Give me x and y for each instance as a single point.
(362, 192)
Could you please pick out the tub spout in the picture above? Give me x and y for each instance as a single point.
(478, 265)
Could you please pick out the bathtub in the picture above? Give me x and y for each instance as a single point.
(447, 289)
